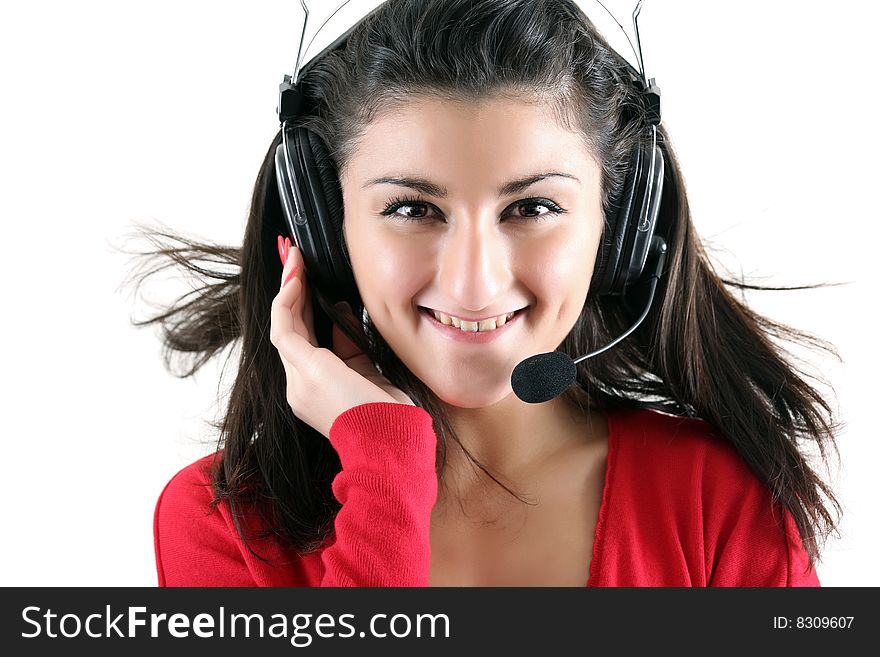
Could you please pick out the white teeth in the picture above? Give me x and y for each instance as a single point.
(473, 327)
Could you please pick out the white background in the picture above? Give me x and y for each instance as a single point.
(120, 112)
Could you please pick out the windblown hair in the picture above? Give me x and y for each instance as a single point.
(700, 352)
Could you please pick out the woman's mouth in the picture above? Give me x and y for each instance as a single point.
(472, 332)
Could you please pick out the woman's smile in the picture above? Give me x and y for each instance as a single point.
(466, 334)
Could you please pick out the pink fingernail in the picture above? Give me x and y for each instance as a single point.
(282, 252)
(290, 276)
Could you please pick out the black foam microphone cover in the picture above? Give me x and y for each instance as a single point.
(542, 377)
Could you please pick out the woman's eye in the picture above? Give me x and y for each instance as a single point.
(532, 209)
(535, 209)
(413, 210)
(406, 209)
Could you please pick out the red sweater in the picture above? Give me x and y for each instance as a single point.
(679, 508)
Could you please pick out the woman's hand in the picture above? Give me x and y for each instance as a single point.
(321, 384)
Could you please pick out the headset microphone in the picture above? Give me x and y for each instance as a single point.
(540, 378)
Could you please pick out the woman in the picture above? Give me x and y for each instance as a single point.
(482, 150)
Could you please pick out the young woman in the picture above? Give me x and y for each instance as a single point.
(475, 158)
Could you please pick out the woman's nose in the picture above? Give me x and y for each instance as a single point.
(474, 264)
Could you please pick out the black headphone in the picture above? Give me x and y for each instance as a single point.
(311, 197)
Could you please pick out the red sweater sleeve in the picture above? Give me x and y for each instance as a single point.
(387, 488)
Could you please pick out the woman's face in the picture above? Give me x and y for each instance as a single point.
(456, 207)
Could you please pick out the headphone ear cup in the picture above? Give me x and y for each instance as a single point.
(317, 230)
(284, 181)
(330, 213)
(615, 234)
(293, 163)
(627, 242)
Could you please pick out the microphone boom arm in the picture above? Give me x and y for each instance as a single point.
(655, 277)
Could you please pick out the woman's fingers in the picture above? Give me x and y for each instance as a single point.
(295, 298)
(291, 317)
(287, 337)
(306, 315)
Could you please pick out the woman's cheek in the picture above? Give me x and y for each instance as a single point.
(565, 260)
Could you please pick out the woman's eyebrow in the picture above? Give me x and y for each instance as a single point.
(432, 189)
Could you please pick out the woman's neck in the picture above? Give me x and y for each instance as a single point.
(513, 439)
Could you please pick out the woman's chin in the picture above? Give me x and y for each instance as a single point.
(470, 397)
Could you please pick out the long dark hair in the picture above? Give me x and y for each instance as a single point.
(700, 352)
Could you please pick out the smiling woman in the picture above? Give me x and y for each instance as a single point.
(480, 181)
